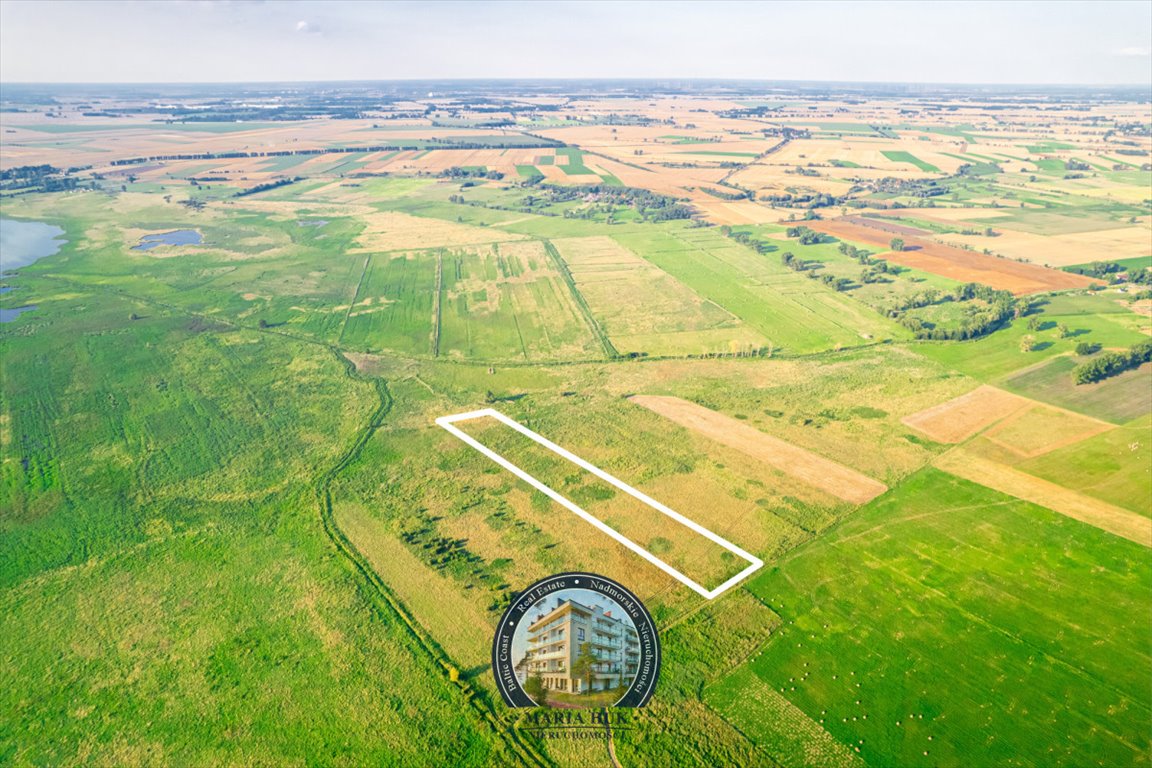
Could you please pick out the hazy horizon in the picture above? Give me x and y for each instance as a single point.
(1032, 42)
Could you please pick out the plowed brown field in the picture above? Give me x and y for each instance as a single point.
(957, 264)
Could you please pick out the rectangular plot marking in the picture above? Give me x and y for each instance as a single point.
(755, 563)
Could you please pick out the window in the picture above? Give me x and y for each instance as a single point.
(580, 633)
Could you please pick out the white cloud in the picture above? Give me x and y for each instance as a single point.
(1134, 50)
(307, 28)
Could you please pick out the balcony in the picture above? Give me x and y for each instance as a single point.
(545, 643)
(550, 655)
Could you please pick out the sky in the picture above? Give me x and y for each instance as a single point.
(1044, 42)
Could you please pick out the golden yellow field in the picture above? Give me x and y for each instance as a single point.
(391, 231)
(962, 417)
(828, 476)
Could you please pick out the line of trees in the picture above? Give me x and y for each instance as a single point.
(1112, 363)
(435, 144)
(877, 268)
(460, 172)
(267, 186)
(1111, 271)
(745, 238)
(37, 178)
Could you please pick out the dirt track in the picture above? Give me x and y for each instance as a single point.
(955, 263)
(827, 475)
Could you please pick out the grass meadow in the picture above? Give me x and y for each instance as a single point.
(1024, 628)
(168, 594)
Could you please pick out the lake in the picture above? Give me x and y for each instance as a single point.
(175, 237)
(23, 242)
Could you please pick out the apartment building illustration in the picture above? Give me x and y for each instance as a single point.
(557, 638)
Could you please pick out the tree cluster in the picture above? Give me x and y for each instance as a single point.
(650, 206)
(805, 235)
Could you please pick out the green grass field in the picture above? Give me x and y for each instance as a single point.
(1090, 318)
(761, 292)
(166, 577)
(1115, 466)
(1021, 598)
(908, 157)
(575, 165)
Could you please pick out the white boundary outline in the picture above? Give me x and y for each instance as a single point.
(447, 422)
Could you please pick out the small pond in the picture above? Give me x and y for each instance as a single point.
(175, 237)
(8, 315)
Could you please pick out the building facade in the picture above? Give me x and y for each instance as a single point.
(558, 638)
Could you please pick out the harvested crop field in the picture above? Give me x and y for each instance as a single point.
(836, 479)
(1040, 429)
(958, 419)
(958, 264)
(390, 231)
(999, 477)
(885, 226)
(644, 309)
